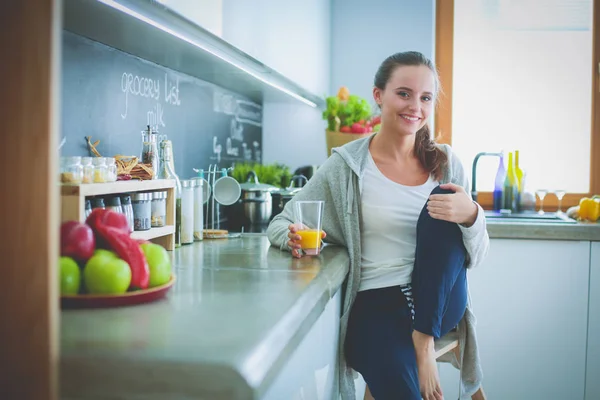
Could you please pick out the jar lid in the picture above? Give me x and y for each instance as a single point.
(159, 195)
(99, 161)
(141, 196)
(113, 201)
(188, 183)
(97, 202)
(126, 199)
(86, 160)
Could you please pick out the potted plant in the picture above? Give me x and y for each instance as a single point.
(349, 117)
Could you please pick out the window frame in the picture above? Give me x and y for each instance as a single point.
(444, 58)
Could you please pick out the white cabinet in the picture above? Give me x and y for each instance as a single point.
(592, 387)
(311, 373)
(530, 298)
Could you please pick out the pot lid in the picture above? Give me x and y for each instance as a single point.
(253, 185)
(292, 189)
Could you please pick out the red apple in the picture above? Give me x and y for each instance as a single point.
(77, 241)
(103, 217)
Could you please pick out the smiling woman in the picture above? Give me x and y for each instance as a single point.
(528, 84)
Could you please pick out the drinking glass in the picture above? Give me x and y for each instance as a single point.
(308, 217)
(541, 193)
(559, 195)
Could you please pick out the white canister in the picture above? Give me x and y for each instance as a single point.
(187, 212)
(198, 208)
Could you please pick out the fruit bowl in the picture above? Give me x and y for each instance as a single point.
(116, 300)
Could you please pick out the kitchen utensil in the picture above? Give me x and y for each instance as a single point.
(282, 196)
(226, 190)
(257, 200)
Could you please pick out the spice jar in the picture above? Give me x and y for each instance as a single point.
(142, 210)
(111, 169)
(114, 203)
(98, 202)
(187, 211)
(71, 170)
(88, 208)
(100, 170)
(88, 170)
(127, 210)
(159, 209)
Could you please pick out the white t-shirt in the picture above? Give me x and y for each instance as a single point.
(390, 212)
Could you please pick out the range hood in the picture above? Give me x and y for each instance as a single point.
(149, 30)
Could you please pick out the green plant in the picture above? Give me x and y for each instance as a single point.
(344, 110)
(273, 174)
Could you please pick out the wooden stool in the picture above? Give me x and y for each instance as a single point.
(443, 345)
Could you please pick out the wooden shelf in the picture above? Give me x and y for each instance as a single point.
(153, 233)
(97, 189)
(73, 204)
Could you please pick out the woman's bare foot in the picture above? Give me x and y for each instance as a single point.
(429, 380)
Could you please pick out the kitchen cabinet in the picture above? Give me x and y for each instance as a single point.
(530, 298)
(592, 383)
(311, 372)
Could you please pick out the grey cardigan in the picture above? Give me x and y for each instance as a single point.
(339, 183)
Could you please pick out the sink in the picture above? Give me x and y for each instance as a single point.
(529, 217)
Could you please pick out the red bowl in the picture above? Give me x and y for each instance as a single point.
(116, 300)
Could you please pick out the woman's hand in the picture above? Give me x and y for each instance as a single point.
(453, 207)
(294, 242)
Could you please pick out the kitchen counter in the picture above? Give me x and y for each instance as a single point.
(544, 230)
(238, 310)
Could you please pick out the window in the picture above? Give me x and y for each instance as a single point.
(518, 74)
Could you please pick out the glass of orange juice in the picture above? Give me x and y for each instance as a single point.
(308, 217)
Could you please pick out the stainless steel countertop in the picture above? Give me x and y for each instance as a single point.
(237, 311)
(544, 230)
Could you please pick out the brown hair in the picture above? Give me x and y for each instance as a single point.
(431, 157)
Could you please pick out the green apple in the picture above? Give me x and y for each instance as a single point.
(159, 263)
(104, 274)
(70, 276)
(105, 253)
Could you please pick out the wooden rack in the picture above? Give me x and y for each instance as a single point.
(73, 204)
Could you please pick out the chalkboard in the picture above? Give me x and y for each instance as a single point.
(111, 96)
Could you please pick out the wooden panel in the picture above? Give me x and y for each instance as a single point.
(94, 189)
(550, 202)
(444, 54)
(595, 142)
(30, 46)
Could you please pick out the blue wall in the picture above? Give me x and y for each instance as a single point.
(364, 33)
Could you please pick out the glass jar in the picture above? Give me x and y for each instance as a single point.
(127, 210)
(198, 208)
(100, 170)
(111, 169)
(159, 209)
(142, 210)
(71, 171)
(187, 211)
(114, 203)
(88, 170)
(97, 202)
(88, 208)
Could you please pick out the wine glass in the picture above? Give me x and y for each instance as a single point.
(559, 195)
(541, 193)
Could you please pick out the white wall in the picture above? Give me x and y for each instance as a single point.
(364, 33)
(292, 37)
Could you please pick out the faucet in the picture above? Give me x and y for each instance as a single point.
(474, 171)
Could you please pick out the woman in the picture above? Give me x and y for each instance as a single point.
(399, 203)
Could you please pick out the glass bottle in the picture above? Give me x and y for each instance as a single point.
(111, 169)
(167, 172)
(510, 187)
(519, 178)
(498, 184)
(128, 210)
(150, 150)
(100, 170)
(71, 170)
(187, 211)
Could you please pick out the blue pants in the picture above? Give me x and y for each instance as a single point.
(379, 339)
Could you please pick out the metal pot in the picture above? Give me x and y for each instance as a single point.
(256, 200)
(282, 196)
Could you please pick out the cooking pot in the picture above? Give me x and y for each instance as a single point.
(256, 200)
(282, 196)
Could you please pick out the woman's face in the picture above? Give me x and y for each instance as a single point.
(407, 100)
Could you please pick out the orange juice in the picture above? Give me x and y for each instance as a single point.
(310, 239)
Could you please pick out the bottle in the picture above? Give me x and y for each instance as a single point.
(169, 173)
(519, 177)
(527, 197)
(498, 184)
(510, 187)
